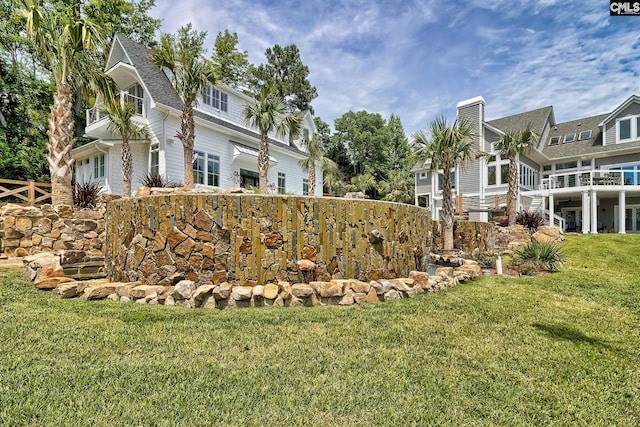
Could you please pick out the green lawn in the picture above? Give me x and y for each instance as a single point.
(558, 350)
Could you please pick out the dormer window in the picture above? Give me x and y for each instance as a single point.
(585, 134)
(624, 129)
(570, 137)
(554, 141)
(216, 99)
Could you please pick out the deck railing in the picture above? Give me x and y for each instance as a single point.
(30, 191)
(96, 113)
(589, 179)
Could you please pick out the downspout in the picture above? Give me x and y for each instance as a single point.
(162, 148)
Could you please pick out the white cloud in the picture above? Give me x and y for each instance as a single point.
(418, 58)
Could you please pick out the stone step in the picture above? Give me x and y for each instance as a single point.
(85, 270)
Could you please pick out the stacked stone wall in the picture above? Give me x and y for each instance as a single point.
(256, 239)
(26, 230)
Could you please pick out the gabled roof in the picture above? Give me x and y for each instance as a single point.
(160, 88)
(162, 92)
(625, 104)
(537, 118)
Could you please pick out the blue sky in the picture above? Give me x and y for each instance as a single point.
(417, 59)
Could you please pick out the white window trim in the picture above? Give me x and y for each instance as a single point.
(498, 162)
(96, 166)
(205, 171)
(588, 137)
(283, 189)
(634, 132)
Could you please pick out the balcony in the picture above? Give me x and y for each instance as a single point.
(603, 179)
(97, 118)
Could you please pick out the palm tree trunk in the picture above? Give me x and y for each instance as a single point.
(447, 211)
(512, 192)
(263, 162)
(312, 177)
(187, 136)
(60, 145)
(127, 167)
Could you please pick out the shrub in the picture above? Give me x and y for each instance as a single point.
(536, 256)
(531, 220)
(156, 180)
(86, 194)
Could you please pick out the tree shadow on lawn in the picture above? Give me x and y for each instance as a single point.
(565, 333)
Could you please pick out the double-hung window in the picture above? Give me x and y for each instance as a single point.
(282, 182)
(216, 98)
(206, 169)
(98, 166)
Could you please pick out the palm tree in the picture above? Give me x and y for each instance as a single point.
(64, 44)
(398, 187)
(121, 114)
(363, 182)
(315, 155)
(191, 74)
(511, 145)
(447, 146)
(267, 112)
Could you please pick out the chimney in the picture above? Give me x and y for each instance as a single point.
(472, 110)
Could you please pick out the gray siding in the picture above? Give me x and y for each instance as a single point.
(610, 128)
(527, 161)
(629, 158)
(490, 137)
(423, 181)
(470, 173)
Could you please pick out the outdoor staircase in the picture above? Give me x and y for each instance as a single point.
(536, 204)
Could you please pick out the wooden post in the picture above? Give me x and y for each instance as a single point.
(31, 191)
(497, 198)
(459, 205)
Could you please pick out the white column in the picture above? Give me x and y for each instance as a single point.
(622, 202)
(594, 212)
(585, 212)
(415, 188)
(551, 214)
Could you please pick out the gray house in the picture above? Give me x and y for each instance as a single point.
(583, 174)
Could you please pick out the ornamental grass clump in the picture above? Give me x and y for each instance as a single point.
(530, 220)
(86, 194)
(535, 257)
(158, 181)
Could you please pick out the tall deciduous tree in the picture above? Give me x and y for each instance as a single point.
(366, 141)
(511, 145)
(267, 113)
(446, 146)
(229, 64)
(399, 150)
(285, 72)
(64, 42)
(121, 115)
(184, 55)
(130, 18)
(24, 104)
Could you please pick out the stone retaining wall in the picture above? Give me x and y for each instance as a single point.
(253, 240)
(26, 230)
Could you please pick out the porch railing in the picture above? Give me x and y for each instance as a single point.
(589, 179)
(96, 113)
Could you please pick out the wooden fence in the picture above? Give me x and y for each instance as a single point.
(28, 191)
